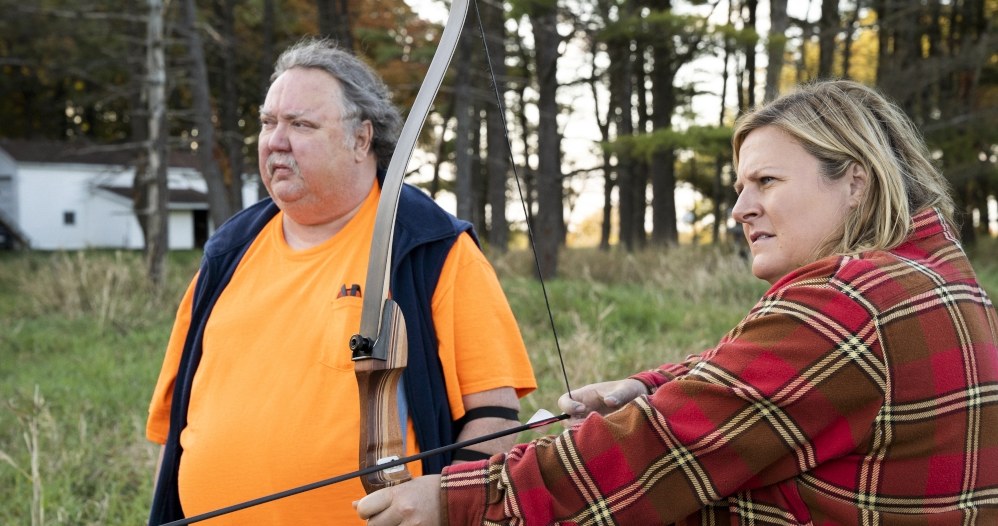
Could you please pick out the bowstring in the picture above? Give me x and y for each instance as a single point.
(523, 203)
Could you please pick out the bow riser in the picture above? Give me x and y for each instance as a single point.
(377, 380)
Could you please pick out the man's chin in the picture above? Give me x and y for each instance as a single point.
(285, 194)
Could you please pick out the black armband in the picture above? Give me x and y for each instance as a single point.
(469, 455)
(488, 411)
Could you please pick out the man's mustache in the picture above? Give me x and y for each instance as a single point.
(281, 159)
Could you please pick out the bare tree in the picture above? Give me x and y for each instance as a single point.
(497, 144)
(622, 100)
(932, 59)
(750, 7)
(828, 32)
(334, 21)
(219, 203)
(550, 220)
(228, 105)
(848, 40)
(602, 119)
(150, 187)
(719, 189)
(776, 43)
(463, 107)
(527, 186)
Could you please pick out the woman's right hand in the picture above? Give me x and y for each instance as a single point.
(603, 398)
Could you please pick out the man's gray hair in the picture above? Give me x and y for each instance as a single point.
(365, 95)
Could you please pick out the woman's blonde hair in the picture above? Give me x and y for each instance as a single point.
(842, 122)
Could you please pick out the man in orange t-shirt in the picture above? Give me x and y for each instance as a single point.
(257, 392)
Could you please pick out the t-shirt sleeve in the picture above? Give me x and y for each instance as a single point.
(158, 422)
(479, 342)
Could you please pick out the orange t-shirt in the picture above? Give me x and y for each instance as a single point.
(274, 403)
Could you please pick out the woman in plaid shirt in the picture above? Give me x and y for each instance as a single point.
(861, 389)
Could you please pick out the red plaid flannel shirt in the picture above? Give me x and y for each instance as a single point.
(859, 390)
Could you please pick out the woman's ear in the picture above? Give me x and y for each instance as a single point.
(859, 181)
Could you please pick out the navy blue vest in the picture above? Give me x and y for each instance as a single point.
(424, 235)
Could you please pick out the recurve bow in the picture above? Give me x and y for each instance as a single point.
(380, 349)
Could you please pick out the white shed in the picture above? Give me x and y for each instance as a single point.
(61, 198)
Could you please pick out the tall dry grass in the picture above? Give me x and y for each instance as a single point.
(617, 313)
(82, 338)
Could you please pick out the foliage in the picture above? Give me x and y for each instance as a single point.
(65, 68)
(709, 140)
(71, 69)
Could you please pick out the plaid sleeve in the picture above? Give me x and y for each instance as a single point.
(658, 377)
(790, 387)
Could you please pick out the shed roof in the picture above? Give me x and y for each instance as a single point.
(185, 196)
(48, 151)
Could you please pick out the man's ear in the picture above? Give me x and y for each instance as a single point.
(363, 140)
(859, 181)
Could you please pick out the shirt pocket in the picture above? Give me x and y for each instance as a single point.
(343, 322)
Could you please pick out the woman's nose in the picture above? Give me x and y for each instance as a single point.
(746, 207)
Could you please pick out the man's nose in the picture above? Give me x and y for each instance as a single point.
(277, 138)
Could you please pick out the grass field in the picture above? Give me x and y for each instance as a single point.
(82, 337)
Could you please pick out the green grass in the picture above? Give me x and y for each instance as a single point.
(82, 338)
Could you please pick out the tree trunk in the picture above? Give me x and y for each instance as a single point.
(334, 21)
(847, 42)
(232, 135)
(463, 187)
(828, 26)
(152, 198)
(267, 58)
(441, 149)
(621, 94)
(550, 222)
(642, 165)
(479, 177)
(775, 47)
(664, 228)
(750, 7)
(498, 150)
(603, 124)
(720, 210)
(526, 187)
(218, 192)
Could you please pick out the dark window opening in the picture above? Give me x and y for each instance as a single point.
(200, 228)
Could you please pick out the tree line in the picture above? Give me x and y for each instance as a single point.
(162, 77)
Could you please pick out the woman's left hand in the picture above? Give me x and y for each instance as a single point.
(415, 502)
